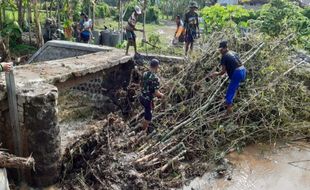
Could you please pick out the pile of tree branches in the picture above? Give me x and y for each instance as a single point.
(273, 104)
(191, 124)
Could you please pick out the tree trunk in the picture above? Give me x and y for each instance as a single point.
(46, 10)
(50, 7)
(1, 21)
(58, 13)
(20, 13)
(3, 14)
(39, 36)
(29, 20)
(5, 50)
(94, 14)
(10, 161)
(29, 12)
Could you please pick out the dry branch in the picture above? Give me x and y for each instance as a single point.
(10, 161)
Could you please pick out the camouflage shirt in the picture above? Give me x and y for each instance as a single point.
(150, 85)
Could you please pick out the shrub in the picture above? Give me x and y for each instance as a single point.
(12, 31)
(103, 10)
(217, 16)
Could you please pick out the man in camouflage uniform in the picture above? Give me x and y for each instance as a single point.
(150, 90)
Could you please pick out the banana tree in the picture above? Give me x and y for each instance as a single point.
(5, 4)
(39, 36)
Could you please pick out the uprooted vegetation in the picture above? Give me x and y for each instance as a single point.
(192, 130)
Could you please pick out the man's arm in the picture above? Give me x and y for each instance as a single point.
(197, 26)
(223, 71)
(135, 29)
(158, 94)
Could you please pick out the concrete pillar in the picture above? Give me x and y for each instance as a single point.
(96, 37)
(40, 133)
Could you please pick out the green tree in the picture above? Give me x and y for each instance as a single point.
(281, 17)
(216, 17)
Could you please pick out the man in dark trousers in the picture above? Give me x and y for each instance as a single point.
(149, 91)
(192, 27)
(236, 72)
(131, 28)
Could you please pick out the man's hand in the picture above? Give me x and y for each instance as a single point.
(159, 95)
(214, 74)
(6, 66)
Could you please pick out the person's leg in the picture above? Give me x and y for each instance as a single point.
(191, 47)
(135, 46)
(129, 40)
(232, 88)
(147, 115)
(147, 112)
(187, 42)
(127, 47)
(186, 48)
(134, 42)
(192, 38)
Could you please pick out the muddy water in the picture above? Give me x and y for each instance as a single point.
(261, 167)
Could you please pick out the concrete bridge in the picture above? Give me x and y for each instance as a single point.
(38, 85)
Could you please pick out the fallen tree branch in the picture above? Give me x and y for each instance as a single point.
(10, 161)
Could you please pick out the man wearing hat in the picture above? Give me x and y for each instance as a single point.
(150, 89)
(236, 72)
(131, 27)
(192, 26)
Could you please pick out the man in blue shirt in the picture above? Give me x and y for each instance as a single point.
(236, 72)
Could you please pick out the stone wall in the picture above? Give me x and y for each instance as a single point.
(99, 74)
(102, 89)
(40, 133)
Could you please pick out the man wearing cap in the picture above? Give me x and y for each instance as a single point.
(149, 91)
(236, 72)
(192, 27)
(5, 67)
(131, 27)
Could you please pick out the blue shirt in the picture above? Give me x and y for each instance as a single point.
(231, 61)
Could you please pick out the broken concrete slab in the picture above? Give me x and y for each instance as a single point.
(58, 49)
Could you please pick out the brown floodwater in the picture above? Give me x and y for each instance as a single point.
(262, 167)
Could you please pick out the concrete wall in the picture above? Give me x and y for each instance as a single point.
(58, 49)
(40, 134)
(37, 94)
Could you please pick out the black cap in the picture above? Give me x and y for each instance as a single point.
(82, 14)
(223, 44)
(154, 63)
